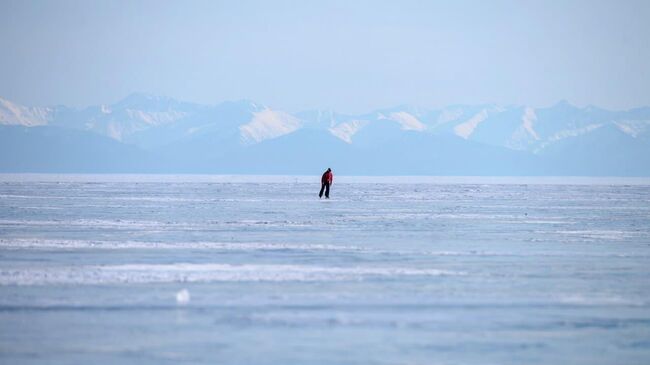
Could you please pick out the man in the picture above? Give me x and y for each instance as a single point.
(326, 180)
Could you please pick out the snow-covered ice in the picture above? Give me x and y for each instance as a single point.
(99, 269)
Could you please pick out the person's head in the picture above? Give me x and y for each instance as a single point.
(328, 169)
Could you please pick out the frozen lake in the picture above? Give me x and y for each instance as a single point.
(121, 269)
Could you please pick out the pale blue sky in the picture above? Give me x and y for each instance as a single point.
(351, 56)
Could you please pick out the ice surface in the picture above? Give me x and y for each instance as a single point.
(188, 272)
(183, 297)
(99, 269)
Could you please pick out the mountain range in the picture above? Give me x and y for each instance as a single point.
(154, 134)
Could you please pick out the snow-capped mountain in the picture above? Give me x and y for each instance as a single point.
(132, 114)
(529, 129)
(14, 114)
(245, 136)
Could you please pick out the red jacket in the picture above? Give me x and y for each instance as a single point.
(328, 178)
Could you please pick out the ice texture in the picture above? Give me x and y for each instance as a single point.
(99, 269)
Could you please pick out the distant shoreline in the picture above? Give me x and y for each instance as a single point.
(240, 178)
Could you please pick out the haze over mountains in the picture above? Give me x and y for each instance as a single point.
(145, 133)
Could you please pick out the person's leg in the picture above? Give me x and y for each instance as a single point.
(322, 187)
(327, 190)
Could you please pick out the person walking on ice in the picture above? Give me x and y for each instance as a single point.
(326, 180)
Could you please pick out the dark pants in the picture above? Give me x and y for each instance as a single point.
(326, 187)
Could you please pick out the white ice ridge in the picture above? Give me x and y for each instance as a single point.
(161, 225)
(63, 244)
(183, 297)
(37, 243)
(210, 272)
(466, 129)
(268, 124)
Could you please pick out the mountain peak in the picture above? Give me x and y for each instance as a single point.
(246, 103)
(564, 103)
(414, 110)
(144, 100)
(190, 132)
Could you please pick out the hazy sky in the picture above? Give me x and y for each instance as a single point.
(351, 56)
